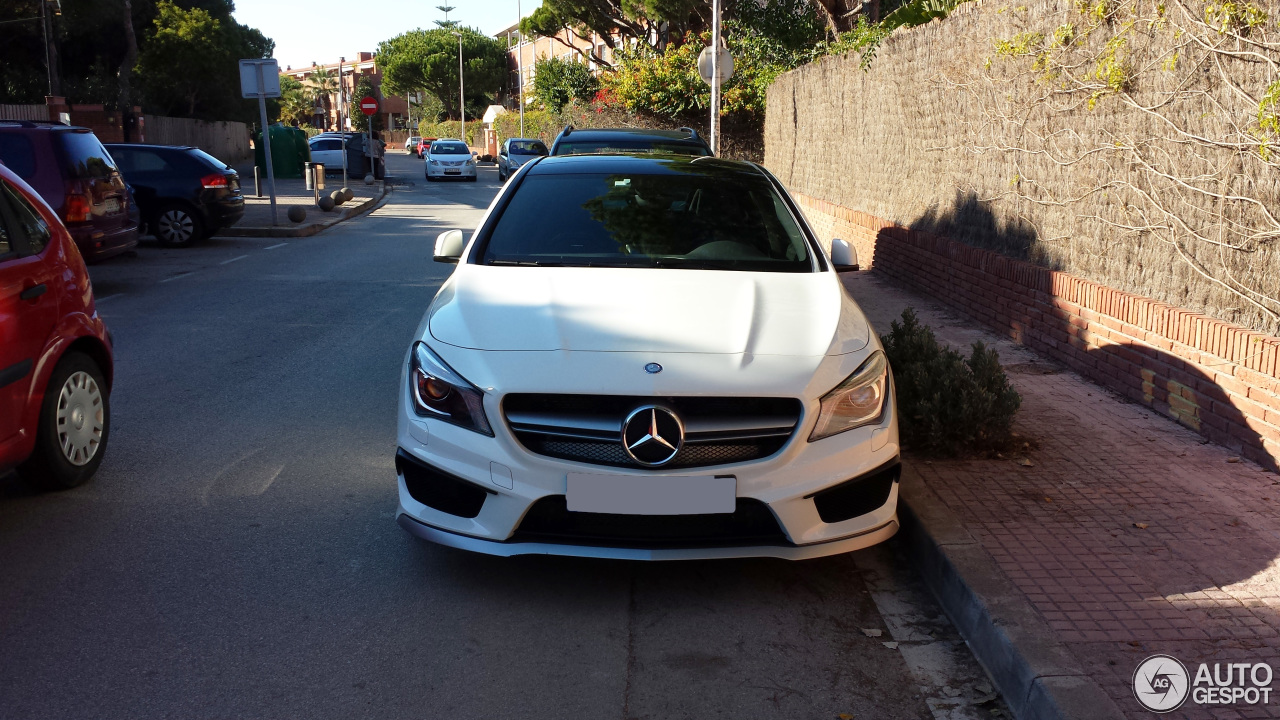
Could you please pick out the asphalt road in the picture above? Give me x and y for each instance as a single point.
(237, 557)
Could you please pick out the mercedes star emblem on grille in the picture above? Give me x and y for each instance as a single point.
(652, 435)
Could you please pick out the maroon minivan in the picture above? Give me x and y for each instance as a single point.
(77, 177)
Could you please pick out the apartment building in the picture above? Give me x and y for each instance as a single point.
(566, 45)
(394, 109)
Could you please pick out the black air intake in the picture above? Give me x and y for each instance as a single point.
(438, 489)
(858, 496)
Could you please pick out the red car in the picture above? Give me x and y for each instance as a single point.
(424, 145)
(55, 352)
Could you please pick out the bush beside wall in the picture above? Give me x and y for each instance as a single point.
(1219, 379)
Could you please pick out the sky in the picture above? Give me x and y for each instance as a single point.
(323, 30)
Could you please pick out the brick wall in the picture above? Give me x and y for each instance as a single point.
(1219, 379)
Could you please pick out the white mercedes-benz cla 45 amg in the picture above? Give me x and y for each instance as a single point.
(646, 357)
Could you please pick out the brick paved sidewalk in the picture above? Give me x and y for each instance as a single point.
(1127, 533)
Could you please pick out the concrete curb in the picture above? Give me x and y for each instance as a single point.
(291, 231)
(1037, 675)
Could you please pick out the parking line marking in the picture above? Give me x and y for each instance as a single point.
(175, 277)
(104, 299)
(273, 247)
(228, 262)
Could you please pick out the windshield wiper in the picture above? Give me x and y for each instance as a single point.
(526, 263)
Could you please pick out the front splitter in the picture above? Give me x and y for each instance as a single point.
(783, 552)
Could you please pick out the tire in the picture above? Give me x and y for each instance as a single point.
(177, 225)
(75, 423)
(501, 177)
(473, 178)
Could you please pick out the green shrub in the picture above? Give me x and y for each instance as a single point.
(948, 404)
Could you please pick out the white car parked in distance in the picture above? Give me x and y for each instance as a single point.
(646, 358)
(327, 150)
(450, 159)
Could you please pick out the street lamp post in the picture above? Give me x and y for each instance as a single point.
(342, 128)
(520, 65)
(715, 76)
(462, 98)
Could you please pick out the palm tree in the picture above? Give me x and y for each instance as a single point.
(323, 83)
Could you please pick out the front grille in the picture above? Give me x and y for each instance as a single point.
(588, 428)
(550, 520)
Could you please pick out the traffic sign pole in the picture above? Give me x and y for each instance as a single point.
(255, 82)
(266, 142)
(369, 106)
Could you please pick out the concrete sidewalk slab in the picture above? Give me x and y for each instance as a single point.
(1114, 535)
(292, 192)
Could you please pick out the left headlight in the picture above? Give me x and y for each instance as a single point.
(439, 392)
(857, 401)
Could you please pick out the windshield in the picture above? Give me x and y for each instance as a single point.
(528, 147)
(449, 148)
(630, 147)
(686, 220)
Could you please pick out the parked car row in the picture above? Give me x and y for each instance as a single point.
(107, 195)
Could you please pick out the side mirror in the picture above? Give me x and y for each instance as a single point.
(449, 246)
(843, 256)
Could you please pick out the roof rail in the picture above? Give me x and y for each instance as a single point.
(692, 133)
(567, 129)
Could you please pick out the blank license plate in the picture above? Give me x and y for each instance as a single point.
(656, 495)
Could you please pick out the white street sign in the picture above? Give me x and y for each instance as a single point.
(270, 78)
(725, 61)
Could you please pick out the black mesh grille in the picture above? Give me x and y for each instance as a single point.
(712, 450)
(611, 453)
(549, 520)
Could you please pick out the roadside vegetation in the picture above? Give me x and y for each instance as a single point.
(171, 58)
(656, 83)
(949, 405)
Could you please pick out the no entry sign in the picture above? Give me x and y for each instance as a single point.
(369, 105)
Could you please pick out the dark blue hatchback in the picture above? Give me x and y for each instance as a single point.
(184, 193)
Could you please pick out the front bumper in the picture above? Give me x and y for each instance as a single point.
(513, 480)
(437, 171)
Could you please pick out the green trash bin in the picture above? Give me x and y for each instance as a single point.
(286, 160)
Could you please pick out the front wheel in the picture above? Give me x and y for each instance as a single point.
(75, 422)
(473, 178)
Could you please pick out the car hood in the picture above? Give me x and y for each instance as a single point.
(646, 310)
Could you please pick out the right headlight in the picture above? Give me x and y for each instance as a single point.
(439, 392)
(857, 401)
